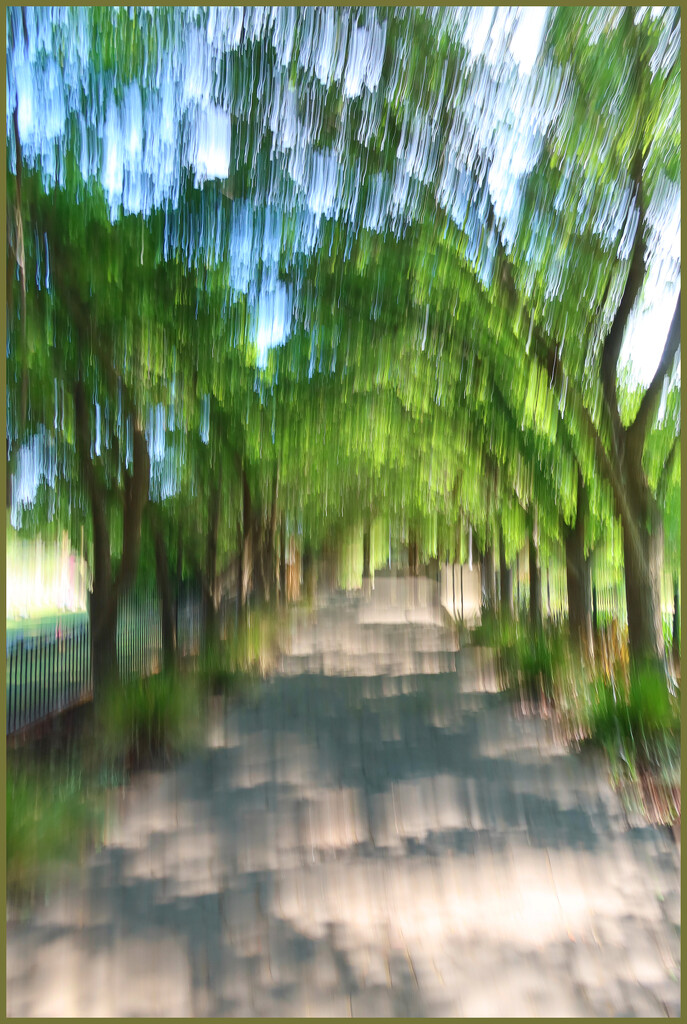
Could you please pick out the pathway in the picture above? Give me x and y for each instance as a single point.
(375, 835)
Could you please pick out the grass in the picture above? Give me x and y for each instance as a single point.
(52, 817)
(47, 623)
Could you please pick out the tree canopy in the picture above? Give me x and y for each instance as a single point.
(312, 266)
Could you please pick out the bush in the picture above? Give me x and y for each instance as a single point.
(148, 721)
(532, 662)
(245, 653)
(638, 725)
(494, 631)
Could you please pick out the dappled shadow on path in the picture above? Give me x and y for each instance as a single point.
(391, 845)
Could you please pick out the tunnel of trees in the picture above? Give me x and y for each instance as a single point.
(278, 273)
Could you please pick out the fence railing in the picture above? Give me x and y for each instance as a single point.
(47, 673)
(190, 620)
(139, 633)
(50, 671)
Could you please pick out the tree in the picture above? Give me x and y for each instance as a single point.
(327, 287)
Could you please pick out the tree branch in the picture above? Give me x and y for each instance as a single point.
(637, 431)
(136, 487)
(662, 483)
(612, 345)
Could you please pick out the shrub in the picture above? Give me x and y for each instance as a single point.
(638, 725)
(535, 660)
(494, 631)
(532, 663)
(148, 721)
(246, 652)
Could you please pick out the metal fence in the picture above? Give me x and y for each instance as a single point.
(190, 620)
(50, 670)
(139, 633)
(46, 673)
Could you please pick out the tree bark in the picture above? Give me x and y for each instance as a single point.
(309, 573)
(535, 574)
(246, 552)
(412, 554)
(104, 666)
(282, 560)
(579, 577)
(517, 584)
(366, 550)
(595, 612)
(210, 574)
(106, 586)
(642, 520)
(489, 578)
(506, 574)
(272, 541)
(164, 585)
(102, 603)
(643, 555)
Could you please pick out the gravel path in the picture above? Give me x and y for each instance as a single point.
(375, 835)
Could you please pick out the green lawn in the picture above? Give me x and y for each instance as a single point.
(45, 623)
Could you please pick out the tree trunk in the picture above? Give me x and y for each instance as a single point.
(246, 552)
(164, 585)
(272, 541)
(366, 550)
(103, 617)
(282, 561)
(102, 604)
(412, 554)
(643, 554)
(506, 574)
(210, 576)
(489, 578)
(517, 584)
(309, 573)
(177, 583)
(595, 613)
(535, 575)
(579, 577)
(136, 487)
